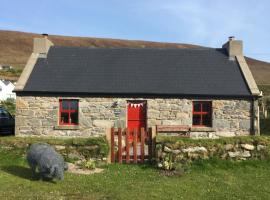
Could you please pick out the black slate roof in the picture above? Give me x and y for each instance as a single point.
(204, 71)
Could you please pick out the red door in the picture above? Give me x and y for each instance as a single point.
(136, 115)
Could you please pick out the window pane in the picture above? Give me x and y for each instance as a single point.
(196, 106)
(206, 120)
(196, 119)
(74, 118)
(64, 118)
(206, 106)
(65, 105)
(74, 105)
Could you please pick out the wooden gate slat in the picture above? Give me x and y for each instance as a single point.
(119, 145)
(142, 144)
(135, 146)
(127, 146)
(112, 146)
(149, 144)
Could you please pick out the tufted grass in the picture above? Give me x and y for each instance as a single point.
(213, 179)
(264, 140)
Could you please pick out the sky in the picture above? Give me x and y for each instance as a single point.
(202, 22)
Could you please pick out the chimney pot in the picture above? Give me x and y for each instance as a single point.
(233, 47)
(45, 35)
(231, 38)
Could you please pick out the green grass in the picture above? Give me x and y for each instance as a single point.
(15, 72)
(205, 180)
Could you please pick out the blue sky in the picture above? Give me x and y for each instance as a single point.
(202, 22)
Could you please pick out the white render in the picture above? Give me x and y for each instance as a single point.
(6, 90)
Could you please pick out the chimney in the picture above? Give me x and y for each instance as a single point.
(42, 45)
(233, 47)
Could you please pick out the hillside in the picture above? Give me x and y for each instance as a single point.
(17, 46)
(260, 71)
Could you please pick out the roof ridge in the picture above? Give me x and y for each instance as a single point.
(137, 48)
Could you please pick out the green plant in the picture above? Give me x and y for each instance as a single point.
(89, 164)
(9, 105)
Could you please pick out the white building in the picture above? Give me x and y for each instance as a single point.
(6, 88)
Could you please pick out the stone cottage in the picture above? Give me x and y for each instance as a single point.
(77, 91)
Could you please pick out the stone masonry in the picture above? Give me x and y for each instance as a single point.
(39, 116)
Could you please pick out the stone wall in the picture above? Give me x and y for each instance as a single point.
(172, 152)
(39, 116)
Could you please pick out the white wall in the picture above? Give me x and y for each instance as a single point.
(6, 91)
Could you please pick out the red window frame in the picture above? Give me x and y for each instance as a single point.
(202, 113)
(69, 111)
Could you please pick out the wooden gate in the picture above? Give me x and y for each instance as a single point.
(131, 146)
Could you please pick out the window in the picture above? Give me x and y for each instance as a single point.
(4, 114)
(69, 114)
(202, 113)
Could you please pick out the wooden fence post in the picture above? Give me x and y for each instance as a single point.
(135, 145)
(112, 153)
(119, 145)
(108, 138)
(152, 145)
(142, 144)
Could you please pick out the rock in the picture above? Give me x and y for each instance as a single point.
(59, 147)
(176, 151)
(228, 147)
(224, 156)
(160, 165)
(239, 154)
(194, 149)
(246, 154)
(225, 134)
(234, 154)
(249, 147)
(75, 156)
(222, 124)
(92, 147)
(193, 155)
(103, 123)
(244, 124)
(260, 147)
(167, 149)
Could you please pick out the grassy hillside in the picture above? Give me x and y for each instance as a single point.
(17, 46)
(260, 71)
